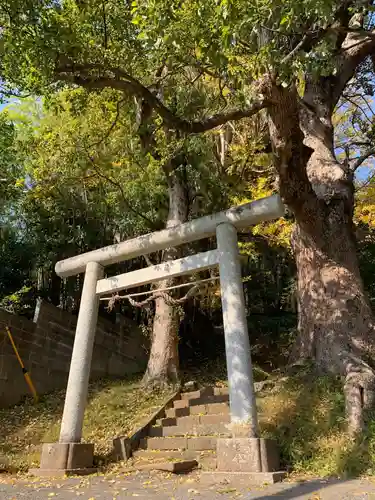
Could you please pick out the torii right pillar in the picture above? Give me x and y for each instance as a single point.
(245, 453)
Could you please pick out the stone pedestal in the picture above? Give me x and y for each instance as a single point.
(60, 459)
(255, 459)
(247, 455)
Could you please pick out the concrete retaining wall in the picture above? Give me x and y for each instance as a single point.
(46, 347)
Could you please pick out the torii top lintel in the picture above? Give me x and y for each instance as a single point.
(241, 216)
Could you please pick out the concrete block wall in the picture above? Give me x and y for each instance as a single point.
(46, 346)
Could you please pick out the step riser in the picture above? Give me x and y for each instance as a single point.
(191, 430)
(148, 455)
(208, 391)
(194, 420)
(166, 421)
(185, 403)
(211, 409)
(179, 443)
(204, 464)
(207, 460)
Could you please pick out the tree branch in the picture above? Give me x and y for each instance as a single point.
(361, 159)
(355, 49)
(366, 183)
(358, 106)
(312, 37)
(95, 76)
(105, 26)
(112, 126)
(128, 205)
(357, 95)
(306, 43)
(353, 143)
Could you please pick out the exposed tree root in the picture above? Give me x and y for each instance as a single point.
(161, 382)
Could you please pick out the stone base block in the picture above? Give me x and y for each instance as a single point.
(247, 455)
(122, 448)
(66, 458)
(242, 479)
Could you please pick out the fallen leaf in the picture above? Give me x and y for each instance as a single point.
(226, 490)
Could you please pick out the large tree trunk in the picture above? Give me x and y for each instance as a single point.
(336, 327)
(163, 365)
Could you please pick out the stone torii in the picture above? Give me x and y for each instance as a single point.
(69, 454)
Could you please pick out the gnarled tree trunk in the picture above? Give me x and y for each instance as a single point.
(163, 365)
(336, 326)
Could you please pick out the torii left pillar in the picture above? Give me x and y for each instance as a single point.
(69, 455)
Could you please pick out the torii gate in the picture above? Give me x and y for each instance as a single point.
(69, 454)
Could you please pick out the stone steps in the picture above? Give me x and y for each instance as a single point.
(189, 435)
(188, 431)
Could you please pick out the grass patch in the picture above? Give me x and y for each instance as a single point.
(306, 415)
(114, 408)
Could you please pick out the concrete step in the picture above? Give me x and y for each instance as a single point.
(195, 420)
(206, 459)
(183, 429)
(206, 392)
(200, 443)
(176, 467)
(206, 409)
(202, 400)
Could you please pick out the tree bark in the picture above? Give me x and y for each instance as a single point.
(336, 325)
(163, 365)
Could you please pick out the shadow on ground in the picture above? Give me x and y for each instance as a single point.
(301, 489)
